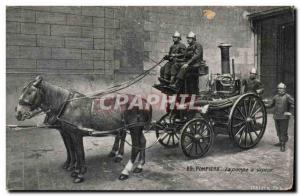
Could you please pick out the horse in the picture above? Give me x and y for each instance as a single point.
(74, 115)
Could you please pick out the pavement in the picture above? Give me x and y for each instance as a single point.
(34, 160)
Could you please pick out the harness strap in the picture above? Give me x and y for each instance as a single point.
(71, 94)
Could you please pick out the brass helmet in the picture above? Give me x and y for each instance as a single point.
(253, 71)
(177, 34)
(281, 85)
(191, 35)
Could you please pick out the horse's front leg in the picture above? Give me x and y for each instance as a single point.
(70, 162)
(142, 154)
(135, 136)
(115, 148)
(80, 167)
(119, 155)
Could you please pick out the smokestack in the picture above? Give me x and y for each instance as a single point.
(225, 61)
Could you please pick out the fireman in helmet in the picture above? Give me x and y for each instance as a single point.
(252, 84)
(192, 59)
(283, 104)
(176, 54)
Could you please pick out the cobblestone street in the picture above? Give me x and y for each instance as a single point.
(35, 157)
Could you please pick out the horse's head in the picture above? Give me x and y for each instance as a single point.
(29, 100)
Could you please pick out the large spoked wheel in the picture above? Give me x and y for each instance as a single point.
(197, 138)
(247, 121)
(168, 131)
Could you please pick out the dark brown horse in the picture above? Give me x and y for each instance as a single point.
(77, 115)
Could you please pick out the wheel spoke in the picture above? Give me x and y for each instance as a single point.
(206, 142)
(202, 131)
(241, 129)
(239, 124)
(189, 135)
(195, 128)
(187, 146)
(256, 111)
(173, 139)
(253, 107)
(253, 130)
(246, 133)
(236, 117)
(200, 147)
(196, 148)
(240, 140)
(251, 138)
(245, 108)
(199, 128)
(241, 112)
(191, 128)
(249, 106)
(164, 137)
(191, 148)
(176, 136)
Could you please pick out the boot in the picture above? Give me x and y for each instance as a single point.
(282, 147)
(163, 81)
(177, 85)
(277, 144)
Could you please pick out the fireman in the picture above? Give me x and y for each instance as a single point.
(176, 53)
(252, 84)
(282, 103)
(192, 59)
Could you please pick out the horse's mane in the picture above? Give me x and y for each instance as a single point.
(54, 96)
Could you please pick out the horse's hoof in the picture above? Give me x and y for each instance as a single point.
(70, 168)
(65, 166)
(74, 174)
(111, 154)
(137, 170)
(78, 180)
(123, 177)
(118, 159)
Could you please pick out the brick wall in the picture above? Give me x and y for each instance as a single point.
(62, 39)
(117, 40)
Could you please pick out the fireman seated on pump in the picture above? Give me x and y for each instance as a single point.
(176, 54)
(252, 84)
(193, 59)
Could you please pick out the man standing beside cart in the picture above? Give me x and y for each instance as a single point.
(282, 103)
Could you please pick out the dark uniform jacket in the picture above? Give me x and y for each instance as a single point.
(177, 51)
(251, 85)
(281, 104)
(194, 53)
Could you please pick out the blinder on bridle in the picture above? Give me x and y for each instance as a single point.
(34, 84)
(24, 103)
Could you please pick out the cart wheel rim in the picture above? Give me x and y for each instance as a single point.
(168, 137)
(196, 138)
(247, 121)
